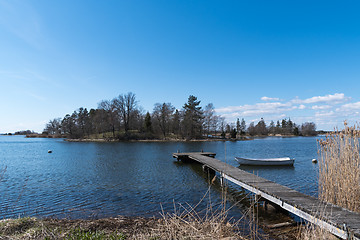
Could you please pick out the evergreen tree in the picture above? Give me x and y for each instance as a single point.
(193, 118)
(290, 127)
(242, 127)
(147, 123)
(228, 128)
(260, 128)
(278, 127)
(233, 133)
(68, 125)
(238, 125)
(176, 129)
(272, 127)
(83, 121)
(296, 131)
(251, 129)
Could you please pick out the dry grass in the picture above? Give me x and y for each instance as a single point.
(339, 176)
(313, 232)
(339, 168)
(186, 222)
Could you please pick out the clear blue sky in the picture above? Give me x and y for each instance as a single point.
(251, 59)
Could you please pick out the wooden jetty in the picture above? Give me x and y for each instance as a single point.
(339, 221)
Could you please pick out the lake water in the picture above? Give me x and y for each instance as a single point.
(85, 180)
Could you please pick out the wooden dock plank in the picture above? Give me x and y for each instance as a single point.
(326, 215)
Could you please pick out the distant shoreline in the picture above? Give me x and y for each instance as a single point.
(137, 140)
(150, 140)
(243, 138)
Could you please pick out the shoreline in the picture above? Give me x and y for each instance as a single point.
(147, 140)
(244, 138)
(247, 138)
(122, 227)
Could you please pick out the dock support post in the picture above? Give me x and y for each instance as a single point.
(222, 182)
(208, 170)
(257, 198)
(265, 205)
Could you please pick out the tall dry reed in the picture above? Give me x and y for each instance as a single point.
(313, 232)
(339, 168)
(213, 222)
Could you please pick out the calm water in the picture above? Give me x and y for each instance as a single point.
(84, 180)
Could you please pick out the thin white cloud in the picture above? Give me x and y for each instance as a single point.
(349, 107)
(325, 114)
(269, 99)
(231, 115)
(257, 106)
(330, 99)
(37, 97)
(257, 109)
(318, 109)
(321, 107)
(302, 107)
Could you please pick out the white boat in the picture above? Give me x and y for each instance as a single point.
(284, 161)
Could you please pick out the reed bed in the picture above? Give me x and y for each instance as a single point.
(339, 168)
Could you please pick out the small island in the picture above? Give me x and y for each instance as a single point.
(122, 119)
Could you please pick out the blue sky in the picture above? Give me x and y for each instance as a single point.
(251, 59)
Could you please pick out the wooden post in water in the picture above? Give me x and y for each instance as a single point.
(222, 180)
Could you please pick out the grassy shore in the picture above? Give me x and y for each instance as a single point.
(139, 228)
(115, 228)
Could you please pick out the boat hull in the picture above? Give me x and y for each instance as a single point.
(266, 162)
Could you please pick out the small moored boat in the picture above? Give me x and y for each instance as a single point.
(284, 161)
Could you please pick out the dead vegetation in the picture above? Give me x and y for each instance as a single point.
(339, 175)
(313, 232)
(184, 223)
(169, 227)
(339, 168)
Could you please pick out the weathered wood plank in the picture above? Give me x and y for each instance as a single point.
(325, 215)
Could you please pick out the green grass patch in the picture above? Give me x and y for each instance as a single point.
(80, 234)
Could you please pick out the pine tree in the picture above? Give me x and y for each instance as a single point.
(238, 125)
(242, 127)
(176, 122)
(147, 123)
(193, 118)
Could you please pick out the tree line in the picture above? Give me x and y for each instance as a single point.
(283, 127)
(123, 119)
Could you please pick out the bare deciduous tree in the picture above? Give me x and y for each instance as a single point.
(209, 114)
(109, 114)
(53, 127)
(126, 106)
(308, 129)
(162, 115)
